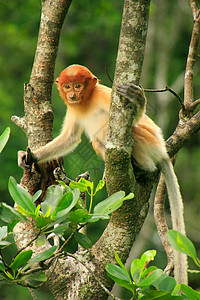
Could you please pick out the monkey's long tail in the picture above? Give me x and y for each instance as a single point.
(176, 206)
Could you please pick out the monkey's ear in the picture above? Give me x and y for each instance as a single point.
(56, 80)
(94, 79)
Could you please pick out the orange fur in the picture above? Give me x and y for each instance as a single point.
(89, 112)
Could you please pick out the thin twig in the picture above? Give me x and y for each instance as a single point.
(69, 239)
(28, 285)
(106, 70)
(33, 294)
(28, 244)
(165, 90)
(194, 104)
(95, 277)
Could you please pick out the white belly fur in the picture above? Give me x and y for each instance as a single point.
(96, 125)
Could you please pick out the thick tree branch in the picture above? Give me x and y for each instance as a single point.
(182, 134)
(38, 120)
(127, 221)
(188, 88)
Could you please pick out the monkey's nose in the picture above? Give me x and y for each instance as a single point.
(72, 96)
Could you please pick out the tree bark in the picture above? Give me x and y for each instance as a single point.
(38, 120)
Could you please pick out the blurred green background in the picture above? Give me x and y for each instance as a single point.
(90, 37)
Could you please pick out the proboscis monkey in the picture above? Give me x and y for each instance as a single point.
(88, 104)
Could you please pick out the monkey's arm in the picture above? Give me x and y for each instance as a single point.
(69, 138)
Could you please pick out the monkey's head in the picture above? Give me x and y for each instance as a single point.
(75, 84)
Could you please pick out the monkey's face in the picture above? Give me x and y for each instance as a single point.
(72, 92)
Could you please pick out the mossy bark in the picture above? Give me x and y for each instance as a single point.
(38, 120)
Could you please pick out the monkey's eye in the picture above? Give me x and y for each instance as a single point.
(67, 86)
(78, 86)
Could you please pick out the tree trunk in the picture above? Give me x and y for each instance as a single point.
(38, 120)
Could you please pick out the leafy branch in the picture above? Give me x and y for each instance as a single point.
(150, 282)
(55, 215)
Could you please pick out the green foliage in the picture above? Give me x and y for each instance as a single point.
(4, 138)
(86, 186)
(182, 244)
(150, 282)
(58, 213)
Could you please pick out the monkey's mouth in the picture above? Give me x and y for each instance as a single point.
(74, 101)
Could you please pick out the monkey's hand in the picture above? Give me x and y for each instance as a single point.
(25, 159)
(132, 93)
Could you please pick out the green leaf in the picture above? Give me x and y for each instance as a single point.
(48, 212)
(9, 275)
(97, 217)
(148, 270)
(54, 194)
(8, 214)
(39, 276)
(79, 216)
(67, 188)
(60, 229)
(42, 221)
(113, 202)
(167, 284)
(20, 196)
(82, 185)
(4, 138)
(83, 240)
(3, 232)
(2, 267)
(37, 211)
(21, 259)
(100, 185)
(41, 257)
(122, 265)
(136, 269)
(128, 197)
(160, 295)
(36, 195)
(24, 212)
(41, 240)
(189, 292)
(64, 202)
(26, 196)
(181, 243)
(147, 257)
(64, 212)
(150, 278)
(117, 274)
(4, 243)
